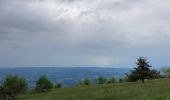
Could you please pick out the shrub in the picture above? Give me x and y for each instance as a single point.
(154, 74)
(43, 84)
(13, 85)
(120, 80)
(57, 85)
(111, 80)
(3, 93)
(86, 81)
(6, 94)
(101, 80)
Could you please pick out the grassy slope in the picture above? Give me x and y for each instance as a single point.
(151, 90)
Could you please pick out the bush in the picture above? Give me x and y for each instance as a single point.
(121, 80)
(43, 84)
(86, 81)
(57, 85)
(111, 80)
(13, 85)
(6, 94)
(154, 74)
(101, 80)
(3, 93)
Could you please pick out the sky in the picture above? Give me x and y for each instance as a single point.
(84, 33)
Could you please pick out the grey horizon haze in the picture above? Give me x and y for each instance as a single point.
(84, 33)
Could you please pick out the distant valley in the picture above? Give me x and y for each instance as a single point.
(69, 76)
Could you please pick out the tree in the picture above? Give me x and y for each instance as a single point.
(86, 81)
(13, 85)
(57, 85)
(101, 80)
(141, 72)
(120, 80)
(43, 84)
(111, 80)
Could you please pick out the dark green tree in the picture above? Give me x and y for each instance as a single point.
(120, 80)
(43, 84)
(141, 72)
(13, 85)
(101, 80)
(111, 80)
(85, 81)
(58, 85)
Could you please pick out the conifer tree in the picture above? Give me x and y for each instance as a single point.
(141, 72)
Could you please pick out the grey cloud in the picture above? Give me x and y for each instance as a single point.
(83, 32)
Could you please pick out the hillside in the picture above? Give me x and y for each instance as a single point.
(151, 90)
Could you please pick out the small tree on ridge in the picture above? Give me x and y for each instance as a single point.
(141, 72)
(43, 84)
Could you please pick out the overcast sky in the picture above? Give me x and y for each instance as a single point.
(84, 33)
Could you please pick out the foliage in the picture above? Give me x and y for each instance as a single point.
(57, 85)
(86, 81)
(154, 74)
(166, 71)
(12, 86)
(7, 94)
(111, 80)
(3, 93)
(101, 80)
(15, 83)
(141, 72)
(123, 79)
(43, 84)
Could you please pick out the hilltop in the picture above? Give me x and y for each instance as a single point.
(150, 90)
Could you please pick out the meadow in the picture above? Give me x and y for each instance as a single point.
(150, 90)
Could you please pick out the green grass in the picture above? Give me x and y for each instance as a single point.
(150, 90)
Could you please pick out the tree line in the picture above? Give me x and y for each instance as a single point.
(14, 85)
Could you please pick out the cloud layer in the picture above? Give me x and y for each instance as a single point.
(78, 33)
